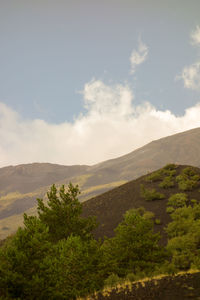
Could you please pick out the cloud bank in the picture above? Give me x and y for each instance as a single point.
(112, 126)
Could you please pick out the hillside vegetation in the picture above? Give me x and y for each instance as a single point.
(55, 255)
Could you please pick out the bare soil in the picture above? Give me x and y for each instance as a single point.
(178, 287)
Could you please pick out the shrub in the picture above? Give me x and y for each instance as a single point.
(148, 215)
(167, 182)
(157, 222)
(151, 194)
(187, 185)
(193, 201)
(184, 233)
(178, 200)
(155, 176)
(189, 171)
(170, 173)
(169, 209)
(170, 167)
(188, 179)
(134, 248)
(112, 280)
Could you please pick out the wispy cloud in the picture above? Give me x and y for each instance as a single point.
(195, 36)
(112, 126)
(138, 56)
(191, 74)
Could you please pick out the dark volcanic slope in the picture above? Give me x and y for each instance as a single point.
(179, 287)
(110, 206)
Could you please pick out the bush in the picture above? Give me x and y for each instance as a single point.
(155, 176)
(189, 171)
(169, 209)
(178, 200)
(184, 232)
(157, 222)
(112, 280)
(193, 201)
(134, 248)
(151, 194)
(170, 167)
(188, 179)
(130, 277)
(187, 185)
(167, 182)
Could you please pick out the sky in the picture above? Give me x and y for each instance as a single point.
(84, 81)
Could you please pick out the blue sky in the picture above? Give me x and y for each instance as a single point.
(105, 77)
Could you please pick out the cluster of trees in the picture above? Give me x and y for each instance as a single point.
(55, 256)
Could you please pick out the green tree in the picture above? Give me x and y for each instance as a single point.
(54, 256)
(78, 264)
(22, 262)
(135, 246)
(184, 237)
(31, 267)
(62, 214)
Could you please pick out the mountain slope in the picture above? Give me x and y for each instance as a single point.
(21, 185)
(110, 207)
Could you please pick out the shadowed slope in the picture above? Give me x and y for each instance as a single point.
(111, 206)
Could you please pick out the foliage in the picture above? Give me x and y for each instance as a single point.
(134, 247)
(188, 179)
(78, 267)
(155, 176)
(169, 170)
(169, 209)
(42, 262)
(167, 182)
(178, 200)
(37, 269)
(157, 221)
(112, 280)
(24, 262)
(184, 236)
(150, 194)
(62, 214)
(170, 167)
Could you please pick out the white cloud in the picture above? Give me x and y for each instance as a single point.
(112, 126)
(138, 56)
(191, 74)
(195, 36)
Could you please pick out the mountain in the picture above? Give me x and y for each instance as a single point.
(21, 185)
